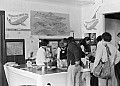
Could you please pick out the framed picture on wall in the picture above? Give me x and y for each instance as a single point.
(15, 50)
(92, 37)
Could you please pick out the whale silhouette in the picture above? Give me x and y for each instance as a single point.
(19, 21)
(91, 24)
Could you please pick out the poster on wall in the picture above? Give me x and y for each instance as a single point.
(14, 48)
(49, 23)
(17, 20)
(92, 37)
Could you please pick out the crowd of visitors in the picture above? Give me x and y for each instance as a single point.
(70, 53)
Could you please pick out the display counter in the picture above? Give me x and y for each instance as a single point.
(22, 75)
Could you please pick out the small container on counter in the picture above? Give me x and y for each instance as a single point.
(43, 69)
(29, 64)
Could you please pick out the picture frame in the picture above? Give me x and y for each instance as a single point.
(92, 37)
(15, 50)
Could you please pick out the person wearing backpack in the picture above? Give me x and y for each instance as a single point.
(103, 47)
(74, 54)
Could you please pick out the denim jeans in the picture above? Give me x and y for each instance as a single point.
(74, 76)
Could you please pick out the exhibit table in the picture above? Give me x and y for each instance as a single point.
(22, 75)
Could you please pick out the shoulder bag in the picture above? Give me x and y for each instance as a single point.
(103, 69)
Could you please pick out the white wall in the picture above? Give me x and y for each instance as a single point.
(106, 6)
(25, 6)
(87, 12)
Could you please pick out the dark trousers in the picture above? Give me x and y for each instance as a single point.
(93, 80)
(117, 73)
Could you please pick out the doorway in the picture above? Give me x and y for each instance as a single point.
(112, 25)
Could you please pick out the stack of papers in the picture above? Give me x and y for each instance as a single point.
(12, 64)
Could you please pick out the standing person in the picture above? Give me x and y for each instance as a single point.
(101, 54)
(85, 45)
(94, 80)
(117, 66)
(62, 53)
(86, 49)
(74, 54)
(41, 53)
(118, 35)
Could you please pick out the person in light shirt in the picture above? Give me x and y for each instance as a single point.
(117, 66)
(41, 53)
(101, 54)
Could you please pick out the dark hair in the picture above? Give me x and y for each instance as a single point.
(99, 38)
(86, 46)
(70, 39)
(118, 34)
(61, 43)
(87, 38)
(84, 41)
(106, 37)
(65, 40)
(44, 42)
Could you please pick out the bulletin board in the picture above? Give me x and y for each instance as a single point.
(15, 50)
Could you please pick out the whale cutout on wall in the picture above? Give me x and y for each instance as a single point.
(89, 25)
(18, 21)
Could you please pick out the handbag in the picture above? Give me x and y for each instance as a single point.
(103, 69)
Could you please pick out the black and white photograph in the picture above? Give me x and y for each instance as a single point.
(59, 42)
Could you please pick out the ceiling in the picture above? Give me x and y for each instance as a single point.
(68, 2)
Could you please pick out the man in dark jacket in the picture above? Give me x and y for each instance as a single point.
(74, 54)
